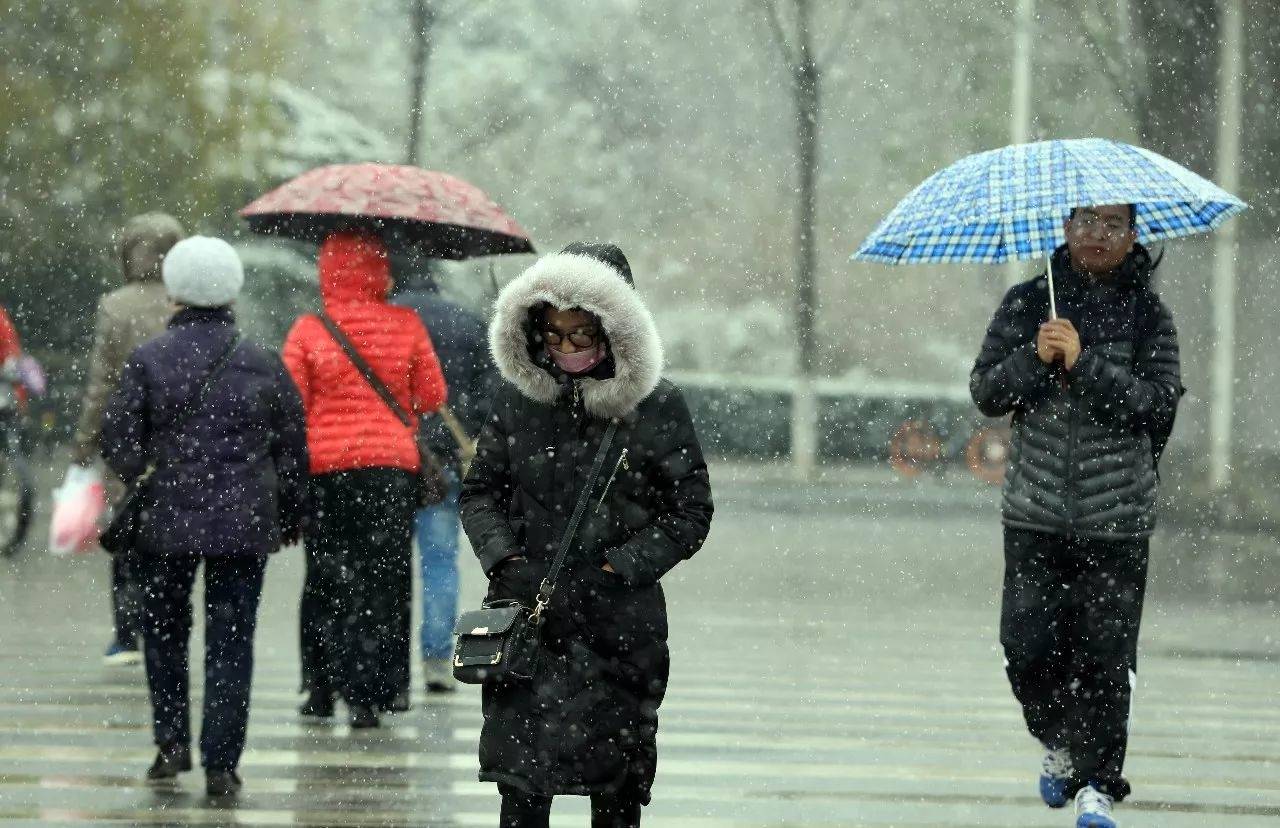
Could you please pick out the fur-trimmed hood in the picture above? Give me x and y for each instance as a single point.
(571, 280)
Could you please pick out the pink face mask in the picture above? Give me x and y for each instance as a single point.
(577, 363)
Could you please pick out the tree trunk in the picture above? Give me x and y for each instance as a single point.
(1177, 106)
(421, 20)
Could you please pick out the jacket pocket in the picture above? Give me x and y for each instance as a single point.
(602, 577)
(1116, 351)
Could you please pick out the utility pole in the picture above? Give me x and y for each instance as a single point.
(1020, 107)
(1222, 405)
(806, 77)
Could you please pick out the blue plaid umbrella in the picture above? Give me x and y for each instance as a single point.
(1010, 203)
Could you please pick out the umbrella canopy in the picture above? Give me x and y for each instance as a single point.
(1010, 203)
(439, 214)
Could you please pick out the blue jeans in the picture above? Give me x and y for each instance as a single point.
(438, 528)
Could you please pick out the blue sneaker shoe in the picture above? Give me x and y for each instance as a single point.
(1093, 809)
(122, 654)
(1055, 776)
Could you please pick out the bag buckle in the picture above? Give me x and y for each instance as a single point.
(544, 598)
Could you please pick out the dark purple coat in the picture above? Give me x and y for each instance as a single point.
(234, 482)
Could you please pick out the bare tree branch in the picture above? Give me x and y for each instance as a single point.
(803, 45)
(842, 32)
(457, 14)
(785, 49)
(452, 13)
(1116, 70)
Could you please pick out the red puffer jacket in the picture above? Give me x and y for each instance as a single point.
(348, 425)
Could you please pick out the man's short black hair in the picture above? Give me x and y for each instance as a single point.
(1133, 215)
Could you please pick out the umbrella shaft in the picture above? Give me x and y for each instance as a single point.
(1053, 299)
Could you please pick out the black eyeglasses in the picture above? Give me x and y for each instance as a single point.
(1110, 227)
(579, 338)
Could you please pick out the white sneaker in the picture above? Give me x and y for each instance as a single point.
(1093, 809)
(121, 654)
(1055, 776)
(438, 674)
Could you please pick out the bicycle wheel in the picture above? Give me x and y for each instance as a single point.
(17, 504)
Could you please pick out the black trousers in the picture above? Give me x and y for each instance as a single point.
(1069, 626)
(232, 587)
(126, 599)
(524, 810)
(358, 591)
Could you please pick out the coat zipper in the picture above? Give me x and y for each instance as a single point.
(621, 464)
(1069, 479)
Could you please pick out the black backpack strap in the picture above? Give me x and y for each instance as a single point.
(549, 583)
(376, 383)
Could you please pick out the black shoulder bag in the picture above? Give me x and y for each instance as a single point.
(121, 534)
(500, 640)
(432, 485)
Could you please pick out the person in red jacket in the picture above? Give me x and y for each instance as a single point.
(363, 482)
(10, 344)
(10, 353)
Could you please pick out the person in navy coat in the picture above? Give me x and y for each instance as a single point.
(227, 489)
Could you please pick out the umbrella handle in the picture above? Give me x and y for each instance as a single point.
(1053, 300)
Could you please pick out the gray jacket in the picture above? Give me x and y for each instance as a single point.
(1082, 462)
(127, 317)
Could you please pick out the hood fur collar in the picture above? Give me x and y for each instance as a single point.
(566, 280)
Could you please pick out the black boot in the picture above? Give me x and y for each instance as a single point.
(319, 705)
(399, 703)
(363, 717)
(170, 761)
(220, 783)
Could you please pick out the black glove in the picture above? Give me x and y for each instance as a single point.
(518, 559)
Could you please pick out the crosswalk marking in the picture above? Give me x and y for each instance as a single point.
(892, 716)
(842, 752)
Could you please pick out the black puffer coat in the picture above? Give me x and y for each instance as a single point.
(1082, 462)
(589, 720)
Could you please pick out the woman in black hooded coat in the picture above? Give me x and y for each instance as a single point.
(587, 722)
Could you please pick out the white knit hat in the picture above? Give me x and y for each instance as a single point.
(203, 272)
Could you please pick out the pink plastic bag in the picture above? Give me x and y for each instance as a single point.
(78, 505)
(31, 375)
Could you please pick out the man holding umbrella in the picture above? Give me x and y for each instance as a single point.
(1085, 358)
(1092, 390)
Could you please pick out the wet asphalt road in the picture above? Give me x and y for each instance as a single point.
(835, 662)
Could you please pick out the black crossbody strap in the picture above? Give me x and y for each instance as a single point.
(566, 542)
(193, 403)
(198, 398)
(375, 382)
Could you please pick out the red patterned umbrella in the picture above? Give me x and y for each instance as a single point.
(439, 214)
